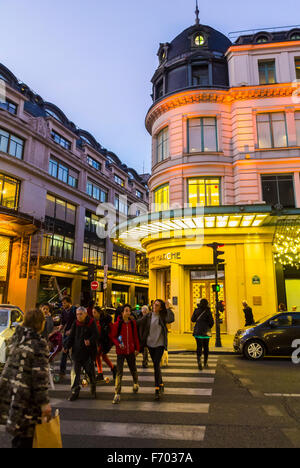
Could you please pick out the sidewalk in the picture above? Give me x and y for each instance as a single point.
(186, 343)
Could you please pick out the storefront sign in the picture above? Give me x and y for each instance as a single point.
(256, 280)
(166, 257)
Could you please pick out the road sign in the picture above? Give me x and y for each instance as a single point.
(94, 285)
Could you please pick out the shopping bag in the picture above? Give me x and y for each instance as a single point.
(47, 434)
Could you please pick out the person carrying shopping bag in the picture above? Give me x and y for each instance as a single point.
(153, 333)
(125, 337)
(203, 319)
(24, 382)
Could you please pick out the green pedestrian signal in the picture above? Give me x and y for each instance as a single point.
(216, 288)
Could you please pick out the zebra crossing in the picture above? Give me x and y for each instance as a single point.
(180, 417)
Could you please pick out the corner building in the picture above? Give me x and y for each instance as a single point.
(53, 176)
(225, 129)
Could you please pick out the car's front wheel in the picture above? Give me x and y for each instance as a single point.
(254, 350)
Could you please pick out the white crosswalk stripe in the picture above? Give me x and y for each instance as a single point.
(187, 391)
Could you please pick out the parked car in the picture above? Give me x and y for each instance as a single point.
(10, 317)
(272, 336)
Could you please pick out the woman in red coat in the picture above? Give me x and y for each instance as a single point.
(125, 337)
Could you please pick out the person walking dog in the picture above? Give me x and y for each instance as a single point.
(153, 333)
(203, 319)
(24, 399)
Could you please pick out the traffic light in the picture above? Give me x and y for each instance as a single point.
(215, 246)
(216, 288)
(91, 273)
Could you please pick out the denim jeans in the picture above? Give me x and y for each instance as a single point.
(156, 355)
(131, 361)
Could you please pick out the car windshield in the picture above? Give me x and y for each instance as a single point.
(265, 319)
(4, 318)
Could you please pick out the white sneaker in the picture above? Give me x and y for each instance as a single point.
(117, 399)
(136, 388)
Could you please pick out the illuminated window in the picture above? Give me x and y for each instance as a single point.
(267, 72)
(199, 40)
(163, 145)
(272, 130)
(9, 192)
(120, 261)
(93, 254)
(162, 198)
(58, 246)
(297, 120)
(204, 192)
(202, 135)
(297, 65)
(11, 144)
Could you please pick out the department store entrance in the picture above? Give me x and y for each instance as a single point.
(202, 282)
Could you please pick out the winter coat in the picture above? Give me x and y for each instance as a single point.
(68, 317)
(129, 334)
(80, 332)
(204, 321)
(248, 316)
(24, 382)
(104, 326)
(144, 325)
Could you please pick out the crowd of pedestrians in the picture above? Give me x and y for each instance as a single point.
(85, 336)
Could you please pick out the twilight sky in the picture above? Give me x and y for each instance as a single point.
(95, 58)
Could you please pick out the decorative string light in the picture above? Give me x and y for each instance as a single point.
(287, 246)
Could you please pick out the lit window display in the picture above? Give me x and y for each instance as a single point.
(204, 192)
(9, 192)
(162, 198)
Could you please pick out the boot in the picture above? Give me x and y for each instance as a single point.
(74, 396)
(94, 391)
(162, 388)
(157, 394)
(199, 363)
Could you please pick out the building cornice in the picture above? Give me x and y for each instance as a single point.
(229, 96)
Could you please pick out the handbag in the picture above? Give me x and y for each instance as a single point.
(208, 333)
(48, 435)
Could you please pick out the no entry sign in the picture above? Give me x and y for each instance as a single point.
(94, 285)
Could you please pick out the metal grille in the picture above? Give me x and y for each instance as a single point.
(4, 256)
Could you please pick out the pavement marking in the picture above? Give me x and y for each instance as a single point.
(255, 393)
(149, 378)
(272, 411)
(284, 395)
(293, 435)
(134, 431)
(170, 370)
(195, 408)
(145, 390)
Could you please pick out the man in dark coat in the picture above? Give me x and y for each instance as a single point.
(248, 315)
(83, 340)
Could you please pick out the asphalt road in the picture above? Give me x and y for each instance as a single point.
(234, 404)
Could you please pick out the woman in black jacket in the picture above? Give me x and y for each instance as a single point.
(153, 333)
(203, 318)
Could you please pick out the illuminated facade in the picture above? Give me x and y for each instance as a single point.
(53, 176)
(225, 127)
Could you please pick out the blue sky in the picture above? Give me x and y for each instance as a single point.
(95, 58)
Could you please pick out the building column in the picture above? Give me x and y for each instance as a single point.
(177, 291)
(79, 233)
(297, 188)
(76, 291)
(132, 295)
(152, 285)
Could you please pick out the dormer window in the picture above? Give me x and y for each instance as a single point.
(261, 39)
(199, 40)
(50, 113)
(295, 36)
